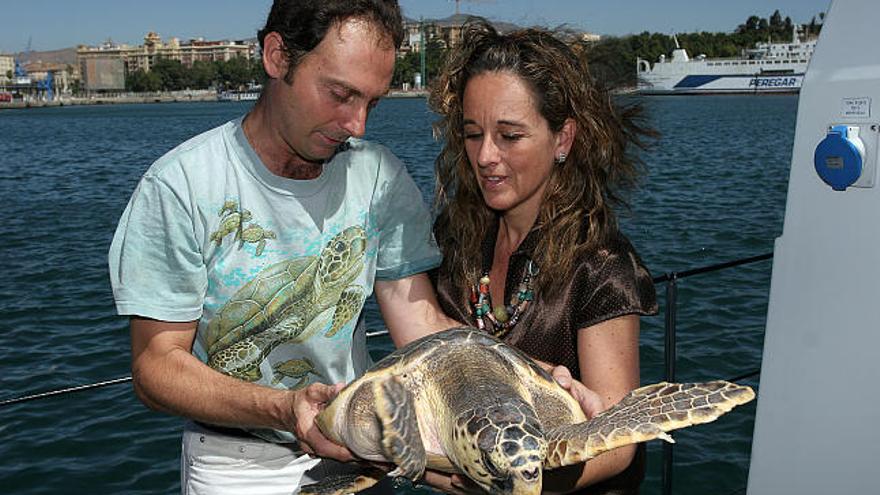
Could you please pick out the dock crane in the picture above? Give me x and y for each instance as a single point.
(23, 79)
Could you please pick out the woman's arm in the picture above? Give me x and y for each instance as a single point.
(608, 357)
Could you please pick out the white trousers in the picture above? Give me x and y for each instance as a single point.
(213, 463)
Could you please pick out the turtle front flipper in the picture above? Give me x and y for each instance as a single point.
(645, 414)
(349, 305)
(343, 484)
(401, 438)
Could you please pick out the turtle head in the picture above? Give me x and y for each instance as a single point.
(517, 461)
(340, 259)
(504, 450)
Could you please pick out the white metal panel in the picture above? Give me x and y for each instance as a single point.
(817, 429)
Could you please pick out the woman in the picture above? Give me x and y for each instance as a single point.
(535, 157)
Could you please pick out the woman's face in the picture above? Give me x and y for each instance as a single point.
(508, 142)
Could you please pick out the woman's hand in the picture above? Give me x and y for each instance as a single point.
(590, 401)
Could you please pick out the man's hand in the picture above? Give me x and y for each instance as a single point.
(590, 401)
(307, 403)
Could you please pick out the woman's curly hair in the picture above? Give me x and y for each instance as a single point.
(600, 169)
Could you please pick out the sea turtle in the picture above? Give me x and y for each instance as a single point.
(228, 206)
(230, 223)
(287, 302)
(298, 369)
(462, 401)
(253, 233)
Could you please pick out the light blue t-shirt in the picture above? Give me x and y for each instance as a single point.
(276, 270)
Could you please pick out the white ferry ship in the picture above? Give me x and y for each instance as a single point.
(249, 95)
(767, 68)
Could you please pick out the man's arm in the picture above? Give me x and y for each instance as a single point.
(168, 378)
(410, 308)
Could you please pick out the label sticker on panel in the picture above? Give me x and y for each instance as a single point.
(856, 107)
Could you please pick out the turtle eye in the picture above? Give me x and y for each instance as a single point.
(339, 246)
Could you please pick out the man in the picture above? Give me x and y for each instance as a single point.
(245, 255)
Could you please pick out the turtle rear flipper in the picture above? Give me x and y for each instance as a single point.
(343, 484)
(645, 414)
(401, 438)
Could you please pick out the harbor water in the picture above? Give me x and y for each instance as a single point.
(715, 191)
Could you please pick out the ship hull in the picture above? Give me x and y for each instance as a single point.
(721, 83)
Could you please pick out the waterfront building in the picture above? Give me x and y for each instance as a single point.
(7, 68)
(62, 75)
(102, 66)
(447, 32)
(35, 81)
(144, 56)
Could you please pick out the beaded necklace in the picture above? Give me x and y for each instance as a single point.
(502, 318)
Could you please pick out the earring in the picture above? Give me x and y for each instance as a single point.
(559, 160)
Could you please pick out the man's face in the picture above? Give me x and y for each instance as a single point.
(333, 89)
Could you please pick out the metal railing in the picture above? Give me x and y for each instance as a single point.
(670, 343)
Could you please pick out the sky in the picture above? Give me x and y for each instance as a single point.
(55, 24)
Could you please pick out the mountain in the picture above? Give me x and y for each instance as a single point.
(62, 56)
(459, 19)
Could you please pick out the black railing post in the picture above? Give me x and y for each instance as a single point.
(669, 358)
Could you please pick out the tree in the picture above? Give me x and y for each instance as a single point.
(202, 75)
(258, 73)
(751, 24)
(776, 19)
(611, 60)
(405, 68)
(140, 81)
(235, 73)
(814, 27)
(172, 74)
(435, 55)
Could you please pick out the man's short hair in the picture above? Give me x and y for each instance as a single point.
(303, 24)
